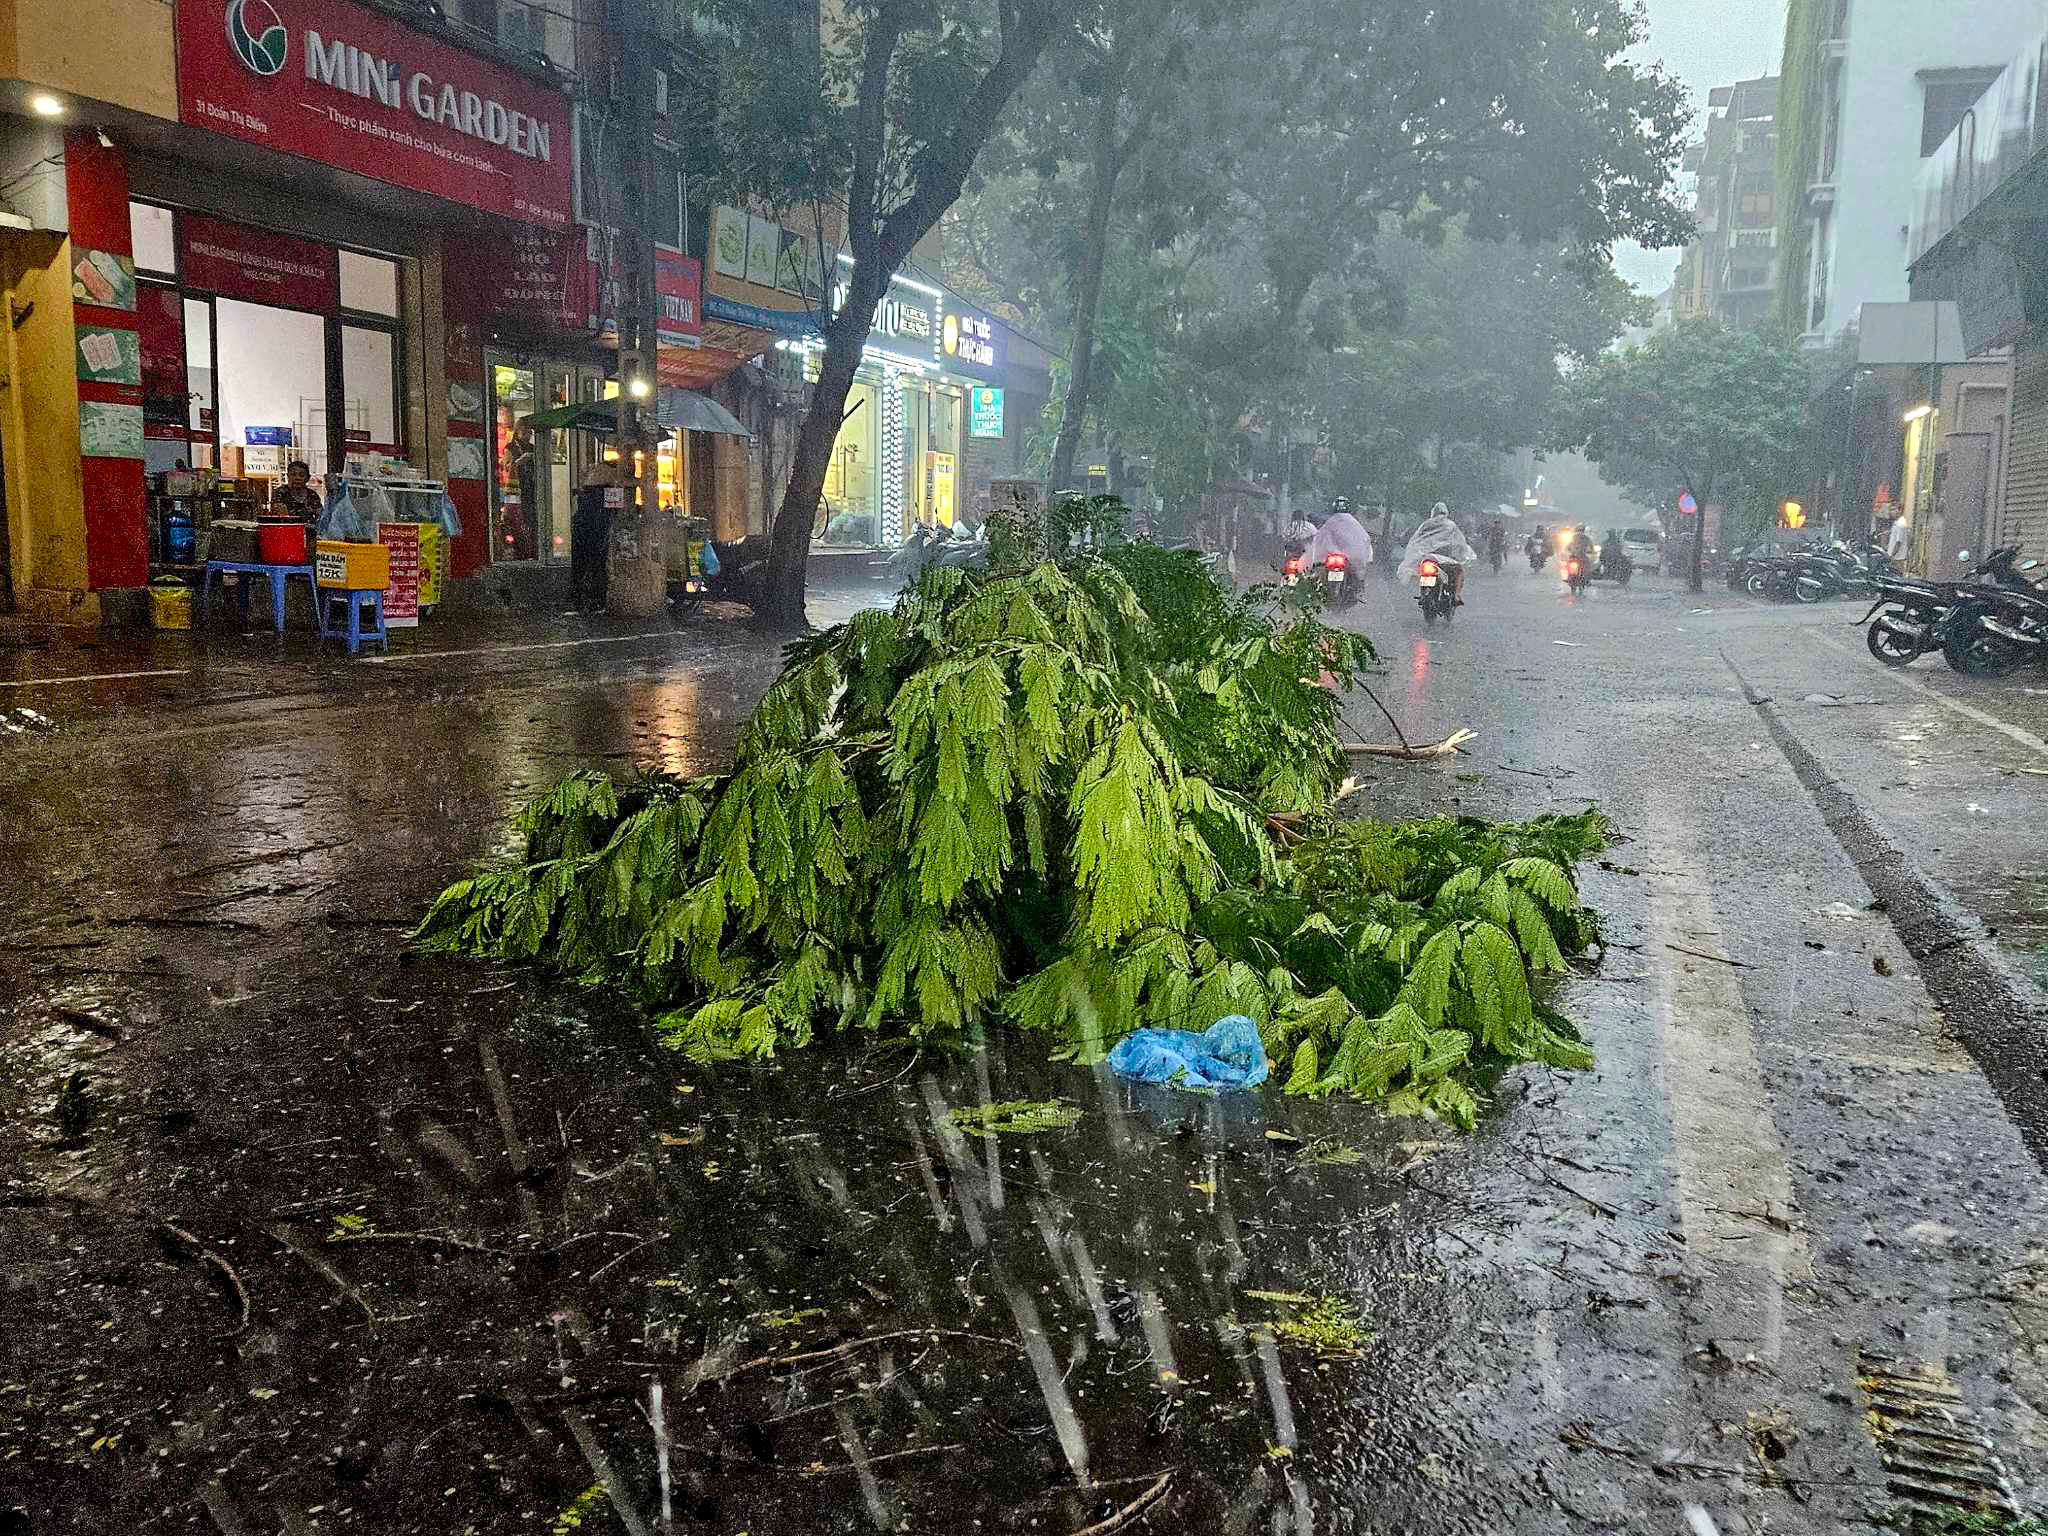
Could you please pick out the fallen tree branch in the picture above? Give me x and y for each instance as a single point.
(852, 1345)
(219, 1263)
(325, 1270)
(1453, 743)
(873, 1461)
(1130, 1511)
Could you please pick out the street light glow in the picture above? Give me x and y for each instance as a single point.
(637, 388)
(46, 105)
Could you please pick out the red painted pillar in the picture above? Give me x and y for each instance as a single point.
(109, 363)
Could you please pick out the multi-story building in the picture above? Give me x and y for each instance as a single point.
(1729, 272)
(1870, 90)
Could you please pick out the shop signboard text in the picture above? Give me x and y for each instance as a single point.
(679, 288)
(335, 82)
(243, 263)
(986, 415)
(969, 343)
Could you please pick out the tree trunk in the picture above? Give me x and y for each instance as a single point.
(789, 545)
(1088, 291)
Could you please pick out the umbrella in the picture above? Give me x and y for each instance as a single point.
(692, 412)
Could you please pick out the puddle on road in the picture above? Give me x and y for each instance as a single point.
(847, 1304)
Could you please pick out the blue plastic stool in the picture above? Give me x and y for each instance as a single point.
(355, 633)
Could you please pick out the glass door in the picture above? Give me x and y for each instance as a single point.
(516, 479)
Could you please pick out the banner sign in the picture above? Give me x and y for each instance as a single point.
(970, 343)
(337, 83)
(254, 264)
(402, 597)
(986, 413)
(678, 286)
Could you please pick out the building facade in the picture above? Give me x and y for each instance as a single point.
(1980, 222)
(1870, 89)
(1729, 272)
(375, 238)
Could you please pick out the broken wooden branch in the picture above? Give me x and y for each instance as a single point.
(1451, 744)
(1130, 1511)
(219, 1263)
(325, 1270)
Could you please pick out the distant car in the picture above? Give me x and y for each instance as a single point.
(1642, 543)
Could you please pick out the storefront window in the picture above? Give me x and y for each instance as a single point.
(273, 378)
(156, 247)
(852, 506)
(369, 388)
(369, 284)
(515, 483)
(199, 378)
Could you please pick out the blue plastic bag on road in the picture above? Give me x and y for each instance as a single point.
(1228, 1054)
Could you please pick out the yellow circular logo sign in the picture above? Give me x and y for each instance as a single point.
(952, 334)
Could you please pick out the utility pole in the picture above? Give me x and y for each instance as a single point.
(639, 554)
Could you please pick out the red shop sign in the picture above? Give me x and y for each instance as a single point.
(244, 263)
(331, 81)
(679, 288)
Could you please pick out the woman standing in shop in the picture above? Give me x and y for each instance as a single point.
(296, 499)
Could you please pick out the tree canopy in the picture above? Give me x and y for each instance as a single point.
(1701, 409)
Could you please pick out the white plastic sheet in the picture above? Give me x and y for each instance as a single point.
(1438, 537)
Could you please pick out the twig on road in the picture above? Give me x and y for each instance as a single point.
(1451, 744)
(219, 1263)
(1131, 1510)
(325, 1270)
(1740, 965)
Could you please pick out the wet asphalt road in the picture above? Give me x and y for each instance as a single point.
(476, 1218)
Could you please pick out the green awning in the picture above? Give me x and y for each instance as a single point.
(578, 416)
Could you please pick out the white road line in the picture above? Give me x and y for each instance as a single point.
(2026, 739)
(89, 677)
(1734, 1184)
(536, 645)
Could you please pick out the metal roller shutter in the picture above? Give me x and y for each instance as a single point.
(2024, 519)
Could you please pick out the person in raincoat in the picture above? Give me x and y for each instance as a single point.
(1439, 538)
(1342, 534)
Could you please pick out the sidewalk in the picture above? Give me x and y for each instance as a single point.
(38, 664)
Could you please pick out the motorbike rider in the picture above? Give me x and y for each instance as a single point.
(1439, 538)
(1580, 546)
(1538, 542)
(1342, 534)
(1496, 543)
(1613, 557)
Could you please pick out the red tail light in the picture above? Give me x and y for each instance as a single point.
(1294, 568)
(1429, 567)
(1572, 569)
(1335, 562)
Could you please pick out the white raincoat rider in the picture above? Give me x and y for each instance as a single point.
(1441, 539)
(1342, 534)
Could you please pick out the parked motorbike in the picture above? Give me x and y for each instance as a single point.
(1911, 618)
(1996, 625)
(1436, 590)
(733, 572)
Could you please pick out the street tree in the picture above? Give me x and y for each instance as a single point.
(1464, 364)
(1715, 413)
(1522, 116)
(907, 94)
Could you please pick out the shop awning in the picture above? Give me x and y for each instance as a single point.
(688, 411)
(580, 415)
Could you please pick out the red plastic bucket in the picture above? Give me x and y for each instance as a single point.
(282, 543)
